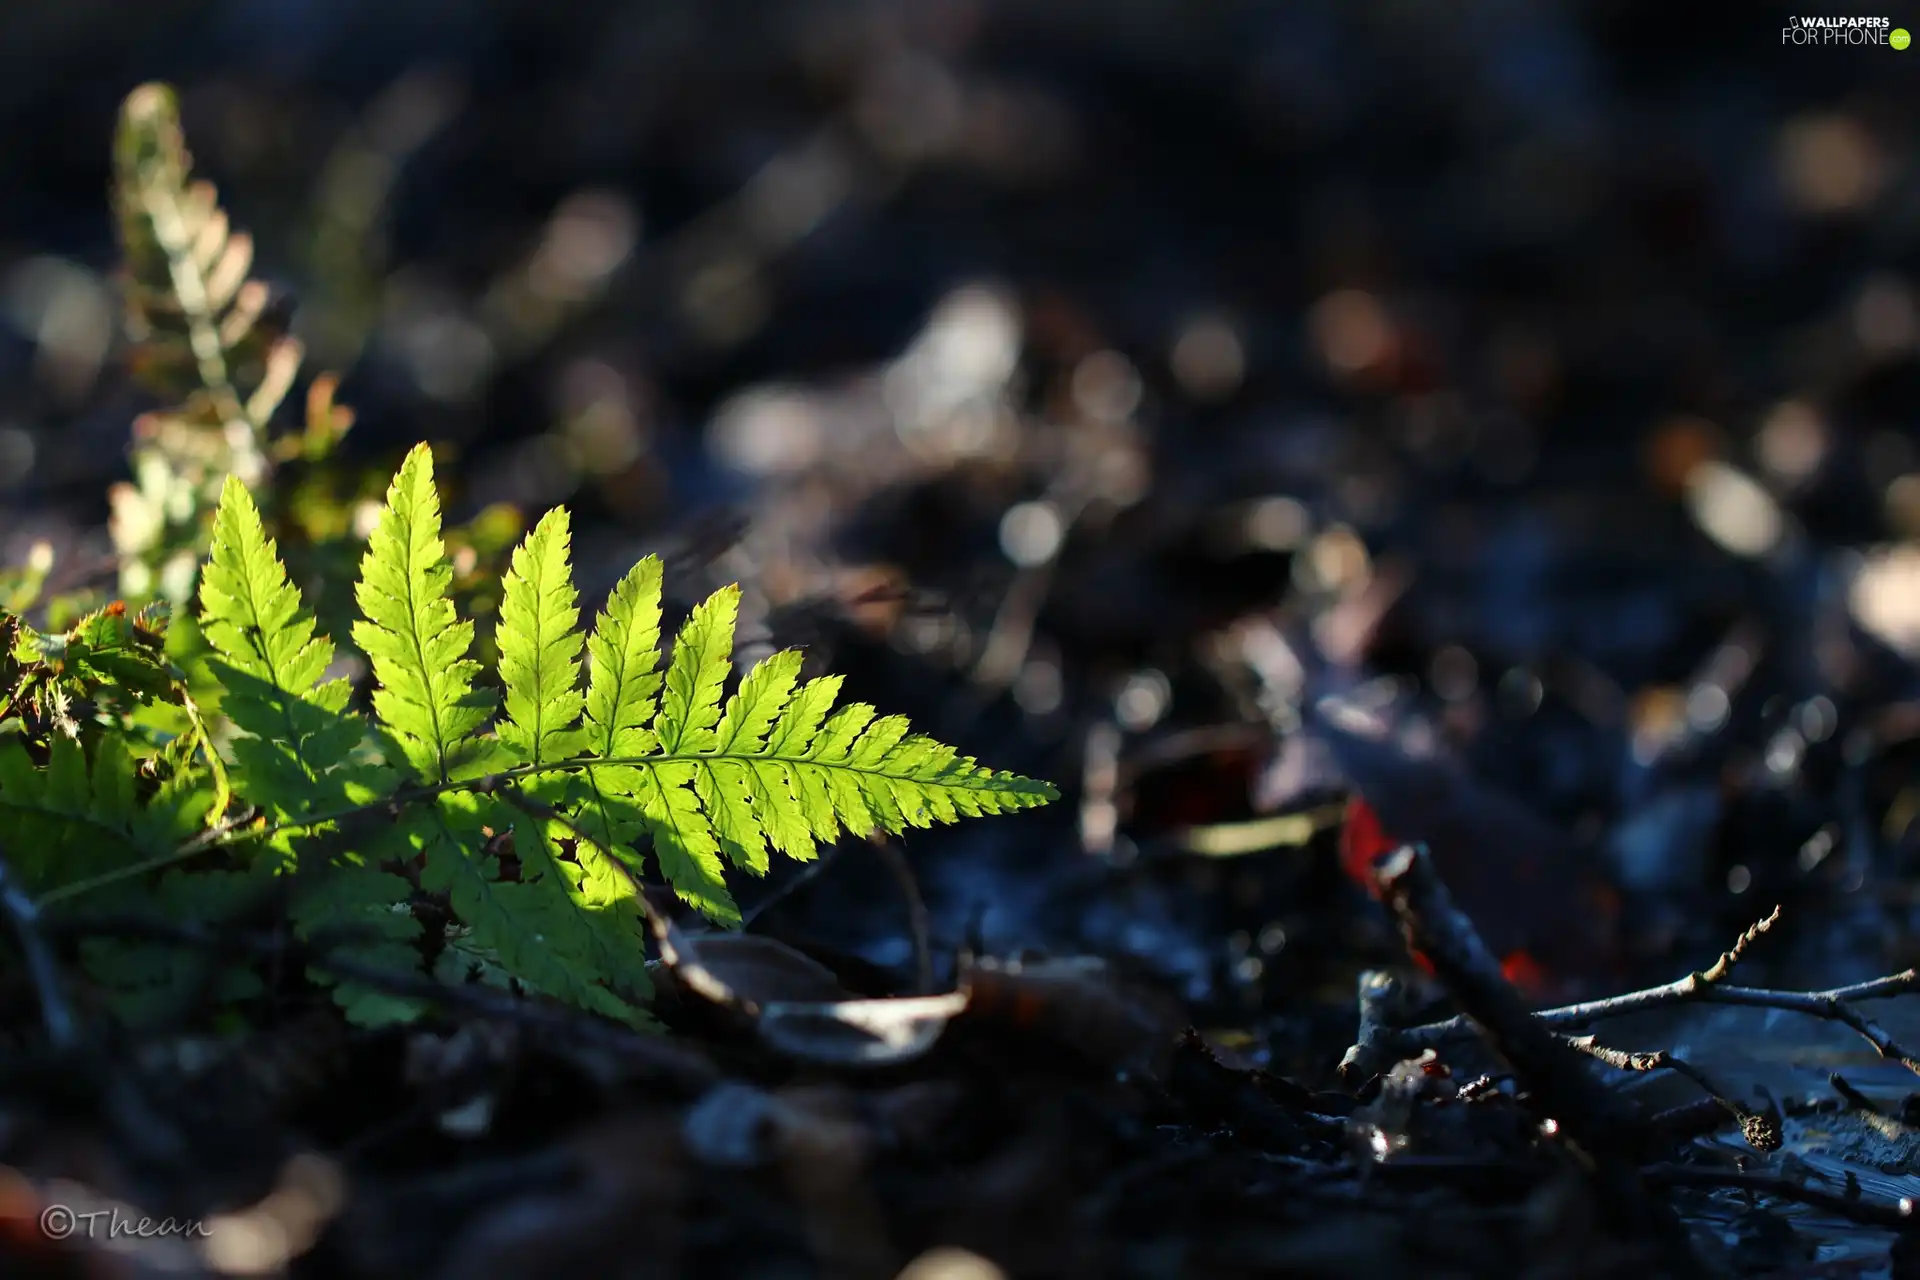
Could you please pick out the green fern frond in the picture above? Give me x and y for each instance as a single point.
(614, 805)
(531, 831)
(425, 697)
(748, 803)
(531, 827)
(684, 840)
(363, 913)
(697, 674)
(855, 772)
(624, 653)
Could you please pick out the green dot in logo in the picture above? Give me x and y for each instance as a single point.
(1899, 38)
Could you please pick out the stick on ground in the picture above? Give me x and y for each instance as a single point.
(1560, 1085)
(1705, 986)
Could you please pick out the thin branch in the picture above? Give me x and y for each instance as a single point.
(1557, 1078)
(1690, 1120)
(224, 833)
(1762, 1131)
(1719, 969)
(1700, 987)
(1558, 1082)
(918, 927)
(1381, 998)
(1854, 1098)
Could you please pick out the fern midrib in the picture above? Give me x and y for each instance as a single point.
(619, 682)
(487, 782)
(414, 633)
(541, 699)
(871, 771)
(257, 638)
(170, 231)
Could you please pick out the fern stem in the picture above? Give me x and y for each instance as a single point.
(222, 787)
(489, 783)
(159, 860)
(486, 784)
(212, 838)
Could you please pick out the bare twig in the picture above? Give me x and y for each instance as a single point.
(1854, 1098)
(1381, 999)
(1700, 987)
(1558, 1082)
(1689, 1120)
(23, 917)
(1656, 1060)
(1719, 969)
(917, 926)
(1762, 1131)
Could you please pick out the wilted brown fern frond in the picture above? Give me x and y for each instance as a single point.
(200, 322)
(204, 336)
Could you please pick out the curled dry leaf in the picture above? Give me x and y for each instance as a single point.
(745, 971)
(796, 1004)
(799, 1008)
(876, 1032)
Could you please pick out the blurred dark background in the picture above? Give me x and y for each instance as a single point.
(1543, 229)
(1556, 361)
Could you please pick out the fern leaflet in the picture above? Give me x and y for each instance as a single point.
(540, 648)
(425, 697)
